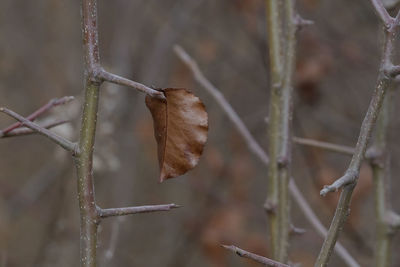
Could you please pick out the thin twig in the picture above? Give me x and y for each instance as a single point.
(109, 77)
(257, 258)
(257, 150)
(105, 213)
(349, 180)
(26, 131)
(324, 145)
(52, 103)
(61, 141)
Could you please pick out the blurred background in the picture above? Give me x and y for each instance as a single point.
(223, 197)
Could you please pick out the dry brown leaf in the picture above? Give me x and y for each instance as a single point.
(180, 129)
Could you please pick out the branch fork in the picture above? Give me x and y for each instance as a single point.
(61, 141)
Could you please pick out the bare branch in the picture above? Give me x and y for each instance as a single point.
(105, 213)
(109, 77)
(26, 131)
(349, 180)
(260, 259)
(382, 13)
(324, 145)
(258, 151)
(64, 143)
(316, 223)
(52, 103)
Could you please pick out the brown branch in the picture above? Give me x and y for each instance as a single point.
(109, 77)
(257, 150)
(89, 219)
(324, 145)
(52, 103)
(105, 213)
(61, 141)
(257, 258)
(27, 131)
(95, 75)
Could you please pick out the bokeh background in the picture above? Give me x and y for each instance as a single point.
(222, 198)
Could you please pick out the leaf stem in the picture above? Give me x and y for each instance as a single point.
(109, 77)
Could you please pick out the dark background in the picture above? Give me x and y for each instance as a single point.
(222, 198)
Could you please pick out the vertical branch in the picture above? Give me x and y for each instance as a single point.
(84, 159)
(285, 156)
(380, 163)
(349, 180)
(274, 31)
(280, 122)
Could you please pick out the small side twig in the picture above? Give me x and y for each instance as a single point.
(348, 178)
(105, 213)
(52, 103)
(26, 131)
(61, 141)
(324, 145)
(257, 258)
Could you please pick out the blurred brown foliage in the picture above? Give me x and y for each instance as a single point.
(222, 198)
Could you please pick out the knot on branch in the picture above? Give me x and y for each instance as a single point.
(94, 74)
(283, 162)
(296, 230)
(390, 70)
(392, 220)
(301, 22)
(375, 156)
(270, 206)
